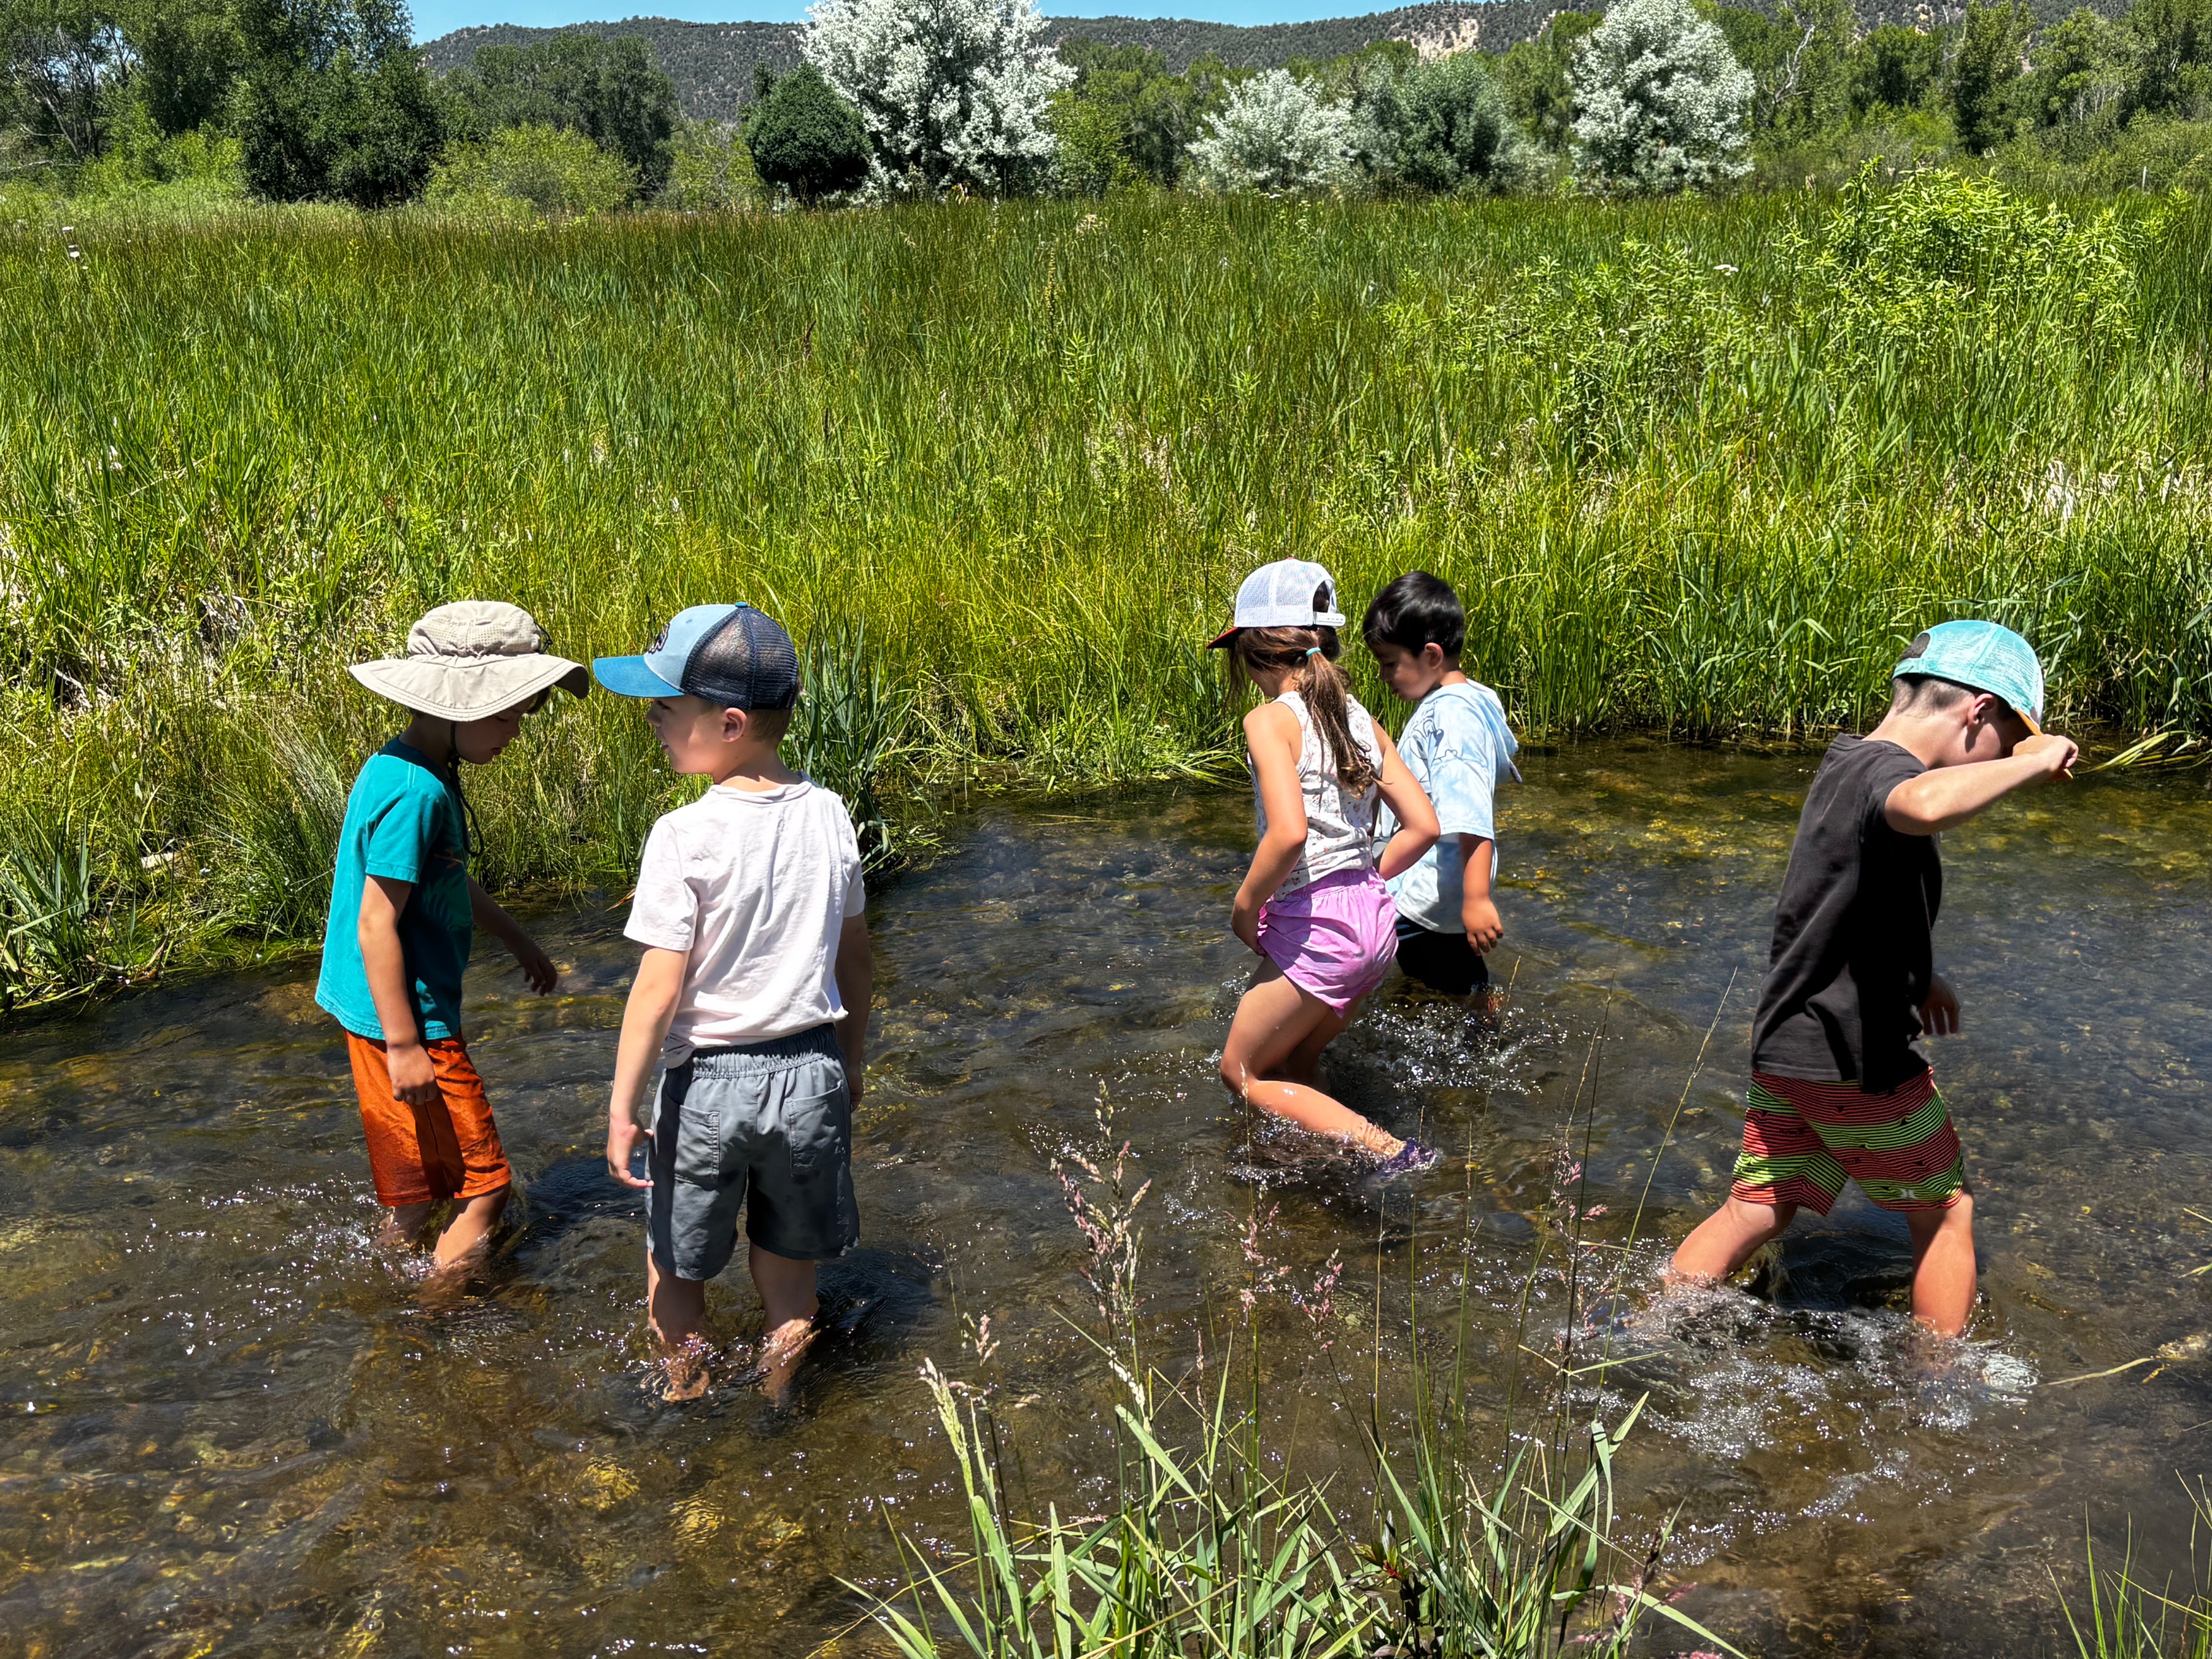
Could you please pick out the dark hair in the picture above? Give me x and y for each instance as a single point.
(1311, 653)
(1415, 610)
(1916, 693)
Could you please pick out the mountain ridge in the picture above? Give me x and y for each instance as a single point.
(712, 64)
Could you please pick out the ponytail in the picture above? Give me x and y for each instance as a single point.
(1311, 653)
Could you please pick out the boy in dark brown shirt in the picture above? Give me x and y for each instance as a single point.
(1840, 1087)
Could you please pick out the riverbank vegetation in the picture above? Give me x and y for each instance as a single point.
(1698, 468)
(180, 107)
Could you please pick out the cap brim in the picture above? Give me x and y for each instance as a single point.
(628, 677)
(1221, 639)
(470, 691)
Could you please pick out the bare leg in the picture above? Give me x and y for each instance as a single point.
(1726, 1239)
(1302, 1064)
(677, 1309)
(468, 1234)
(1273, 1019)
(403, 1225)
(787, 1291)
(1943, 1266)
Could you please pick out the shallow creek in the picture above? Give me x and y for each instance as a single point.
(227, 1428)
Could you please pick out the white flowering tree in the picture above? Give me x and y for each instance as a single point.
(1274, 134)
(952, 91)
(1661, 100)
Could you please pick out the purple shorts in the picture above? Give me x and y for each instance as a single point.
(1336, 938)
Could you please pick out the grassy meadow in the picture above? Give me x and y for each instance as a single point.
(1698, 468)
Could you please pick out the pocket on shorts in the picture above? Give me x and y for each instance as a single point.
(817, 1118)
(696, 1104)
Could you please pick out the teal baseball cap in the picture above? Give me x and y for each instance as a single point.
(1982, 656)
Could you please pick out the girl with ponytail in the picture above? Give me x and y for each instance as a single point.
(1313, 905)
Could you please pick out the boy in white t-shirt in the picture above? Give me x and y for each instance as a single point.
(1457, 745)
(753, 994)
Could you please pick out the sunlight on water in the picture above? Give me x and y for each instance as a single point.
(228, 1425)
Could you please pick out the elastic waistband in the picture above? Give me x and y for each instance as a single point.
(1345, 875)
(772, 1054)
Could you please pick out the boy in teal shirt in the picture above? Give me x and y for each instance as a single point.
(1455, 744)
(404, 911)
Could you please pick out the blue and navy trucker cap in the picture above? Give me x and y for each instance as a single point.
(729, 654)
(1982, 656)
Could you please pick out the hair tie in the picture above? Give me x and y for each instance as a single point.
(1313, 651)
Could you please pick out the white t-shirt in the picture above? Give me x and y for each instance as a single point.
(754, 887)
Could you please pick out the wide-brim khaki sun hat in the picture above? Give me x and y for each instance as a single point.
(469, 659)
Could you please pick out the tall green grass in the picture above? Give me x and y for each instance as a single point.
(1211, 1545)
(1697, 468)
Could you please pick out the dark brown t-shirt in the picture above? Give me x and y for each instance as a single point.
(1853, 954)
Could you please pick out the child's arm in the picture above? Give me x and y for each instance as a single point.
(414, 1080)
(1478, 912)
(1409, 804)
(1946, 796)
(856, 989)
(652, 998)
(536, 967)
(1272, 737)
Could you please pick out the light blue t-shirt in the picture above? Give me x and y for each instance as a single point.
(405, 820)
(1456, 745)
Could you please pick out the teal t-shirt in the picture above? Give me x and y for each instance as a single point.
(404, 821)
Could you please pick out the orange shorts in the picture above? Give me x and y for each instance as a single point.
(419, 1154)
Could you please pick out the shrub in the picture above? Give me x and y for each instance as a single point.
(1441, 126)
(953, 93)
(806, 139)
(1662, 99)
(611, 91)
(712, 172)
(1274, 134)
(551, 170)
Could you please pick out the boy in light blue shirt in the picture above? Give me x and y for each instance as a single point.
(1455, 744)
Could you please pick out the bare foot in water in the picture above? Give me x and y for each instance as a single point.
(786, 1345)
(686, 1369)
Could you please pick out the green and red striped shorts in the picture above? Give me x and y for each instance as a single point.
(1802, 1140)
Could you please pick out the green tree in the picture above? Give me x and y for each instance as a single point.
(2081, 71)
(1893, 68)
(332, 103)
(1441, 126)
(1985, 71)
(804, 137)
(60, 61)
(613, 92)
(1797, 56)
(190, 54)
(2172, 41)
(1092, 155)
(1124, 97)
(1532, 76)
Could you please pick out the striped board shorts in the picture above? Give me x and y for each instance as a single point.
(1802, 1140)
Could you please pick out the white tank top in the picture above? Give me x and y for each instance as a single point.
(1339, 829)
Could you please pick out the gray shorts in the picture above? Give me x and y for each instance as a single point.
(767, 1127)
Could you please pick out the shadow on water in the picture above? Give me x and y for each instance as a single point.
(226, 1425)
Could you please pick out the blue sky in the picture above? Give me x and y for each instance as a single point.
(435, 17)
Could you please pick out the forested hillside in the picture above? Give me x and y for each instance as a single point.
(712, 64)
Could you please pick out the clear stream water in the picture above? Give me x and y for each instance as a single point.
(227, 1428)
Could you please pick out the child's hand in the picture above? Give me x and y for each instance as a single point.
(414, 1078)
(1938, 1015)
(1485, 927)
(622, 1136)
(2057, 754)
(1244, 923)
(538, 968)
